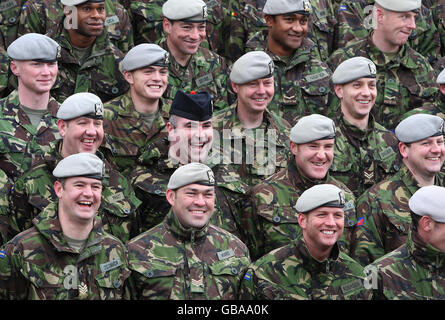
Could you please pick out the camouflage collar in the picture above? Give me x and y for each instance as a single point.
(311, 264)
(299, 180)
(425, 254)
(186, 235)
(405, 56)
(353, 132)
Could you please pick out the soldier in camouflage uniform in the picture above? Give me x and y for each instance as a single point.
(192, 67)
(190, 135)
(40, 15)
(147, 19)
(248, 19)
(135, 119)
(355, 22)
(66, 255)
(9, 21)
(252, 139)
(313, 267)
(382, 211)
(5, 187)
(272, 201)
(28, 114)
(302, 84)
(186, 257)
(80, 124)
(415, 271)
(405, 79)
(89, 61)
(365, 152)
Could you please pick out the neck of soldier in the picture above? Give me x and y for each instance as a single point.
(31, 99)
(422, 179)
(248, 118)
(361, 123)
(77, 230)
(79, 40)
(142, 104)
(378, 38)
(278, 49)
(180, 58)
(318, 252)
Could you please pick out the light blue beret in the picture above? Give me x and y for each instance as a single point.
(429, 200)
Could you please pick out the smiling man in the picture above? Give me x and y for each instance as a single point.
(313, 267)
(312, 142)
(135, 119)
(185, 257)
(67, 244)
(384, 207)
(80, 124)
(405, 79)
(28, 114)
(301, 78)
(365, 152)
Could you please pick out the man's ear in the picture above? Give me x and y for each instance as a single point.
(58, 188)
(171, 196)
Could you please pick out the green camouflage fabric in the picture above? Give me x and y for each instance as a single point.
(412, 272)
(302, 84)
(38, 264)
(355, 23)
(150, 179)
(175, 263)
(100, 73)
(126, 132)
(403, 83)
(34, 190)
(22, 144)
(146, 16)
(438, 11)
(248, 19)
(5, 187)
(291, 273)
(4, 73)
(39, 16)
(273, 202)
(256, 153)
(386, 216)
(363, 157)
(9, 21)
(205, 71)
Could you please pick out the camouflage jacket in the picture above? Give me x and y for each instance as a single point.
(150, 180)
(100, 74)
(21, 143)
(9, 21)
(205, 71)
(39, 16)
(171, 262)
(355, 22)
(438, 11)
(38, 264)
(273, 202)
(363, 157)
(291, 273)
(34, 190)
(5, 187)
(126, 133)
(146, 16)
(384, 215)
(254, 153)
(302, 85)
(414, 271)
(403, 83)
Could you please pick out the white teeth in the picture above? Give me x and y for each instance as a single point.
(435, 159)
(260, 100)
(87, 203)
(88, 140)
(364, 101)
(328, 232)
(155, 87)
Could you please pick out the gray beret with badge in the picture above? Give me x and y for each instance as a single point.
(353, 69)
(80, 165)
(312, 128)
(252, 66)
(143, 55)
(418, 127)
(191, 173)
(430, 201)
(275, 7)
(34, 46)
(441, 77)
(320, 195)
(82, 104)
(400, 5)
(77, 2)
(185, 10)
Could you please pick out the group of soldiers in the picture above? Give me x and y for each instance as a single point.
(222, 149)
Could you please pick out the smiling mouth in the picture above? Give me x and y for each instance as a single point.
(85, 203)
